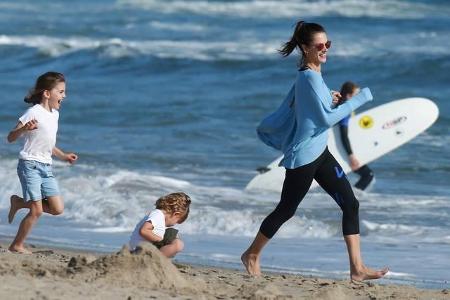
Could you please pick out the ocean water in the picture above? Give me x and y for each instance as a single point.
(165, 96)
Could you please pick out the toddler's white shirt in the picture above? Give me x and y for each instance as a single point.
(156, 217)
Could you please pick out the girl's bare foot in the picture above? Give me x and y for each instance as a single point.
(20, 250)
(15, 206)
(251, 263)
(367, 274)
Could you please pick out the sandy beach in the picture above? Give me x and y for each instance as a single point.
(66, 274)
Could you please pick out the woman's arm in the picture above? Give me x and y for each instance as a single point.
(70, 157)
(146, 232)
(324, 115)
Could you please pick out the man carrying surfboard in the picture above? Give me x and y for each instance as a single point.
(299, 128)
(348, 90)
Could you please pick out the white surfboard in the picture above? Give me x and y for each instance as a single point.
(372, 134)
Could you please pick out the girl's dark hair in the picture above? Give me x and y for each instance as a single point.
(348, 88)
(46, 81)
(303, 35)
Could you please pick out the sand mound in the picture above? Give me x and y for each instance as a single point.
(146, 267)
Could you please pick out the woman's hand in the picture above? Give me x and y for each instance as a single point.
(336, 97)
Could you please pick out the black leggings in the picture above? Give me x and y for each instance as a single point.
(330, 176)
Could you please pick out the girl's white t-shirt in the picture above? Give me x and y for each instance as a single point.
(156, 217)
(39, 143)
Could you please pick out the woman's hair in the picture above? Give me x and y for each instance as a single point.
(175, 202)
(347, 89)
(46, 81)
(303, 35)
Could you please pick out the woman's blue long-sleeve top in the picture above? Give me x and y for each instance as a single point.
(314, 115)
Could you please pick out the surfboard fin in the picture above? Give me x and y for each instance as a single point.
(263, 170)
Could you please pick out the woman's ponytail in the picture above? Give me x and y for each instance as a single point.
(289, 46)
(303, 36)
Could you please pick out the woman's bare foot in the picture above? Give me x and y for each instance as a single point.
(367, 274)
(20, 250)
(251, 263)
(15, 206)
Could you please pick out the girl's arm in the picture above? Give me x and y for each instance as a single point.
(70, 157)
(20, 129)
(146, 232)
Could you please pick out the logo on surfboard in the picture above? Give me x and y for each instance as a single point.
(366, 122)
(394, 122)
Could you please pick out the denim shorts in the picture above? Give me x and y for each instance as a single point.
(37, 180)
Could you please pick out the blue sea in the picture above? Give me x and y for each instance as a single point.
(165, 96)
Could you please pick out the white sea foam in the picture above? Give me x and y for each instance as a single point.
(397, 233)
(179, 27)
(435, 141)
(395, 228)
(214, 221)
(293, 9)
(236, 49)
(114, 200)
(116, 48)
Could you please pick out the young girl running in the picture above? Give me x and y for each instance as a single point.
(38, 126)
(304, 144)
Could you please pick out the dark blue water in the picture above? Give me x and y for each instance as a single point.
(166, 95)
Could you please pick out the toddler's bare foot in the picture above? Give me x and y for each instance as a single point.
(15, 206)
(367, 274)
(251, 263)
(20, 250)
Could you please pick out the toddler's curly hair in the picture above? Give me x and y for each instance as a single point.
(175, 202)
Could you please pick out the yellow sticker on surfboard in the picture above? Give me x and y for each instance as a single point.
(366, 122)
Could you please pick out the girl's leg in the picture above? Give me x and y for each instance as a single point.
(52, 205)
(16, 203)
(173, 248)
(296, 185)
(333, 180)
(25, 227)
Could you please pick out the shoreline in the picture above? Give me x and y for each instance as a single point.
(51, 273)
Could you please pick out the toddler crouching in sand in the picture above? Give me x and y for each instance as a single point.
(170, 209)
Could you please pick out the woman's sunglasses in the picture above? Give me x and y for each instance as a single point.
(322, 46)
